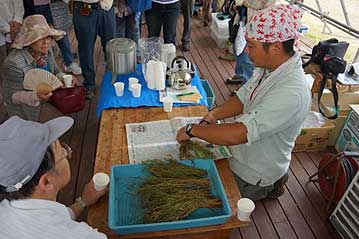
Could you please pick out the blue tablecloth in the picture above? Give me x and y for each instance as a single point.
(108, 98)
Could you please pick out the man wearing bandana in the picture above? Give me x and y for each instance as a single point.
(269, 109)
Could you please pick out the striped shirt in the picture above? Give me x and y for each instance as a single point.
(12, 73)
(37, 219)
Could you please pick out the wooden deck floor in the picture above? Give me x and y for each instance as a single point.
(299, 213)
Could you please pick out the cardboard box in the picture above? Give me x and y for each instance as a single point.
(345, 99)
(348, 139)
(339, 124)
(313, 139)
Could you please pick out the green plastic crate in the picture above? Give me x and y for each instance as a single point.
(211, 98)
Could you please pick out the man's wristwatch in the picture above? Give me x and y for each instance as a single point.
(188, 130)
(81, 202)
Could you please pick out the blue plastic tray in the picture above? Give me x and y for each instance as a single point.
(125, 211)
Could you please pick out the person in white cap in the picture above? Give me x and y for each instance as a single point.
(34, 167)
(270, 108)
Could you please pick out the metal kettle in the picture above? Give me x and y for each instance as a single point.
(179, 76)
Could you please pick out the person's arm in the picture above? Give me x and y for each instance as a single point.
(4, 26)
(26, 97)
(230, 108)
(89, 196)
(220, 134)
(235, 133)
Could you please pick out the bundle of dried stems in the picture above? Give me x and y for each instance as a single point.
(174, 190)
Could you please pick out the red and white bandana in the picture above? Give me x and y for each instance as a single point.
(275, 23)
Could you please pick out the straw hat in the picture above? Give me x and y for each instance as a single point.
(35, 28)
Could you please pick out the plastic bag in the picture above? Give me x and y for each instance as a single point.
(240, 42)
(314, 120)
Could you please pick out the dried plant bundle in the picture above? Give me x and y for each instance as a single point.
(190, 150)
(174, 191)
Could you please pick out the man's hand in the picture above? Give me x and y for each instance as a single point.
(44, 95)
(90, 195)
(14, 29)
(182, 136)
(209, 118)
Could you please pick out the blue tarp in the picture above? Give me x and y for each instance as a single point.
(108, 98)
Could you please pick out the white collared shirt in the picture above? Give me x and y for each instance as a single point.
(273, 116)
(40, 219)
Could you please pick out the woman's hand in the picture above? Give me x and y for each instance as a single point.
(75, 81)
(44, 95)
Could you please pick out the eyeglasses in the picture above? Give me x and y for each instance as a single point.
(68, 152)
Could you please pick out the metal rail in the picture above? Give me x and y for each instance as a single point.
(342, 26)
(347, 28)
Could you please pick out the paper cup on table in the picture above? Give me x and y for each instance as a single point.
(245, 207)
(100, 181)
(131, 81)
(167, 104)
(119, 87)
(67, 80)
(136, 90)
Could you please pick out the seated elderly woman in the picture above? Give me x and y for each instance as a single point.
(32, 50)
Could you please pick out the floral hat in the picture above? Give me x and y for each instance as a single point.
(276, 23)
(35, 28)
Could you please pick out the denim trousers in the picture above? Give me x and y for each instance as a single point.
(244, 67)
(45, 10)
(128, 27)
(65, 48)
(98, 22)
(187, 11)
(165, 15)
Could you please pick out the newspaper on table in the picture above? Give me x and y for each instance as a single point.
(157, 140)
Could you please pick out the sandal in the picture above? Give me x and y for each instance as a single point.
(234, 80)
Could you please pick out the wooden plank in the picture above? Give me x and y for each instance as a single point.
(263, 222)
(90, 135)
(235, 234)
(250, 232)
(314, 196)
(279, 219)
(311, 217)
(295, 218)
(196, 52)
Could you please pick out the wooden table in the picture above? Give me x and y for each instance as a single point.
(112, 149)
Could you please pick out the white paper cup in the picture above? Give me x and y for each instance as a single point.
(100, 181)
(245, 207)
(67, 80)
(131, 81)
(167, 104)
(136, 90)
(119, 86)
